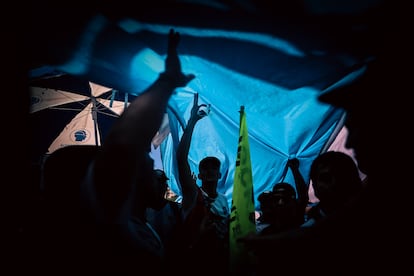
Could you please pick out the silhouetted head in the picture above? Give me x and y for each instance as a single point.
(160, 174)
(209, 174)
(335, 178)
(154, 190)
(280, 206)
(284, 189)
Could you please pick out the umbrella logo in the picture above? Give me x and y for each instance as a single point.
(80, 135)
(35, 100)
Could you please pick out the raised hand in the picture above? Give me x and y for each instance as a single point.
(293, 163)
(172, 63)
(199, 111)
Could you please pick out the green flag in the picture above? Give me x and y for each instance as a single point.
(242, 218)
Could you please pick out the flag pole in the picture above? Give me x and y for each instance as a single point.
(242, 218)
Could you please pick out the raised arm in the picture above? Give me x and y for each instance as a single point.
(301, 187)
(187, 180)
(124, 155)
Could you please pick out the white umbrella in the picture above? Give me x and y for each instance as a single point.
(88, 113)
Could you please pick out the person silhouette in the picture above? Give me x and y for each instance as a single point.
(359, 229)
(336, 183)
(122, 184)
(206, 212)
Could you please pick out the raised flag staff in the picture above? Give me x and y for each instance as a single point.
(242, 220)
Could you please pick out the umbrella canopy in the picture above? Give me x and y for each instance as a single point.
(66, 110)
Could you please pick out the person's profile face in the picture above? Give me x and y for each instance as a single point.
(324, 182)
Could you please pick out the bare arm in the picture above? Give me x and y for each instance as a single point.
(301, 187)
(187, 181)
(129, 140)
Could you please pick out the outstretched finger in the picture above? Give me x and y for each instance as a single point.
(195, 100)
(173, 39)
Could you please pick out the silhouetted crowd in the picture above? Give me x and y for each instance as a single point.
(113, 214)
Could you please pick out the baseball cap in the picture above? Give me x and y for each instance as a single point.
(284, 189)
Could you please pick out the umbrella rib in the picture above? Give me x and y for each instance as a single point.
(107, 113)
(102, 109)
(66, 108)
(80, 109)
